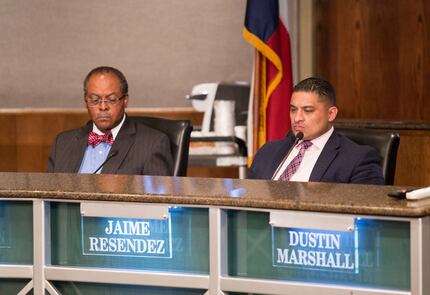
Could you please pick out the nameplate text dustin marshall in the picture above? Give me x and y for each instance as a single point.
(318, 250)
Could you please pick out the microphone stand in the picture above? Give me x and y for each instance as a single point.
(110, 156)
(299, 136)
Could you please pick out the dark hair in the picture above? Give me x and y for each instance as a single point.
(320, 86)
(103, 70)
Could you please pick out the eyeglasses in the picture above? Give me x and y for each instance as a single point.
(95, 101)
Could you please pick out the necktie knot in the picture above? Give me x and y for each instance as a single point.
(94, 139)
(296, 161)
(305, 144)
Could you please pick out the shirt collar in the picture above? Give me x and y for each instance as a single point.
(321, 140)
(114, 130)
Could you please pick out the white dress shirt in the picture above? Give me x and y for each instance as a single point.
(114, 130)
(310, 157)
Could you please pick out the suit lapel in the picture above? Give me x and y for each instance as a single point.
(123, 142)
(328, 154)
(287, 143)
(77, 149)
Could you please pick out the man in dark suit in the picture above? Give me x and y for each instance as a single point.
(323, 155)
(127, 146)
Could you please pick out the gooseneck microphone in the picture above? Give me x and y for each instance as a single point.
(110, 156)
(299, 136)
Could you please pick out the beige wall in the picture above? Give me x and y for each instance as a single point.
(163, 47)
(306, 47)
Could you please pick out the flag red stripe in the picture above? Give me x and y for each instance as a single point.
(278, 108)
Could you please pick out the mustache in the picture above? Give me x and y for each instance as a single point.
(103, 116)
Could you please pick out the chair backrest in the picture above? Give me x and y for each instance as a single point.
(179, 132)
(237, 92)
(204, 95)
(386, 142)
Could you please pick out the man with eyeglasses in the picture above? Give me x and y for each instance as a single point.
(111, 142)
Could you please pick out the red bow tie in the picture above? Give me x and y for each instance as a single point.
(94, 139)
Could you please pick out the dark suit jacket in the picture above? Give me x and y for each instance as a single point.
(340, 161)
(141, 151)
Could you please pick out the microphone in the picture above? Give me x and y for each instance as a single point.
(110, 156)
(299, 136)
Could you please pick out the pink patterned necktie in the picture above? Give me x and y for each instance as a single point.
(295, 163)
(94, 139)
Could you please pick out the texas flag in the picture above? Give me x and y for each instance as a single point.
(272, 82)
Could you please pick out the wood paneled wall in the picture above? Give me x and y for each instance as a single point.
(412, 167)
(377, 55)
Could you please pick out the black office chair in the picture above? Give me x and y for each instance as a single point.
(179, 132)
(386, 142)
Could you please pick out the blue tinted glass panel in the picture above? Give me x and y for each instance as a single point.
(382, 257)
(189, 242)
(13, 286)
(73, 288)
(16, 232)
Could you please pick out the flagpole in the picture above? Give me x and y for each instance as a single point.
(254, 108)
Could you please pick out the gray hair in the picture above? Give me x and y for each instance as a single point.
(103, 70)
